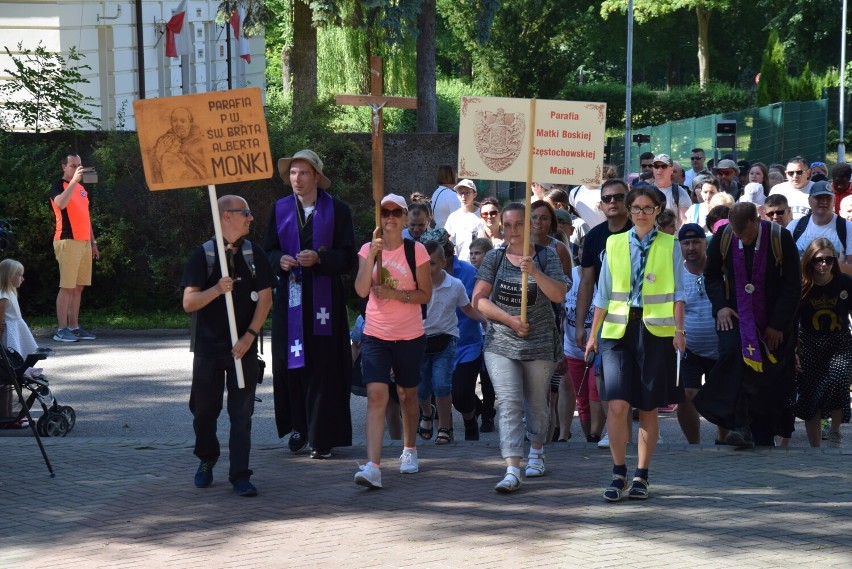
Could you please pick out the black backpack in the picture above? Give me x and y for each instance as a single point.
(839, 226)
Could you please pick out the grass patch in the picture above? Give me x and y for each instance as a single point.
(106, 319)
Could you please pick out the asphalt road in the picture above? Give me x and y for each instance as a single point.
(135, 385)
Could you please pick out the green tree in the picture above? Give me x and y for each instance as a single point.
(645, 10)
(41, 93)
(774, 85)
(523, 56)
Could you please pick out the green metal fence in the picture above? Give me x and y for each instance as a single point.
(767, 134)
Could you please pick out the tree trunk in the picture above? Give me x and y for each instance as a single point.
(703, 45)
(286, 79)
(427, 98)
(303, 60)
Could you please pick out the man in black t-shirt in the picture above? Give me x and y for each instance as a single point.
(250, 285)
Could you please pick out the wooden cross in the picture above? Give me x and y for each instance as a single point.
(376, 101)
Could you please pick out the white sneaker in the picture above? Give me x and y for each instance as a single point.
(369, 475)
(510, 482)
(408, 463)
(535, 465)
(604, 442)
(835, 439)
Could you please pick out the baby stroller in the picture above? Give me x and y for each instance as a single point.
(56, 420)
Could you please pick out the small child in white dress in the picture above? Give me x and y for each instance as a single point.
(14, 332)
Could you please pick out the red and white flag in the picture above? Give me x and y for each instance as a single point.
(177, 33)
(238, 16)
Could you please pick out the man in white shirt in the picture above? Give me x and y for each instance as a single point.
(444, 199)
(586, 201)
(464, 223)
(677, 199)
(823, 222)
(797, 188)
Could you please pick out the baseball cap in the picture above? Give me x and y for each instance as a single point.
(466, 184)
(663, 158)
(821, 189)
(395, 199)
(691, 231)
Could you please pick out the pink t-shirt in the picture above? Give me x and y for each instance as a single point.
(393, 319)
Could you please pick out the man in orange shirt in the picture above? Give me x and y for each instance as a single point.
(74, 245)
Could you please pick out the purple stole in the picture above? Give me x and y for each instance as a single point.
(288, 224)
(751, 298)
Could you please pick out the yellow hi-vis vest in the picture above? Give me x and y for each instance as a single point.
(657, 287)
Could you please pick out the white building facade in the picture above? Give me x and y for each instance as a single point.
(118, 38)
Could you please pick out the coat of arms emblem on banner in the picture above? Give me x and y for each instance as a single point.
(499, 137)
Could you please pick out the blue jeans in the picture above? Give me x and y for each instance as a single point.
(522, 389)
(210, 376)
(436, 373)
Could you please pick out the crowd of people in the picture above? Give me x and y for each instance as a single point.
(719, 291)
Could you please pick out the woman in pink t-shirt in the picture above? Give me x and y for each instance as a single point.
(393, 334)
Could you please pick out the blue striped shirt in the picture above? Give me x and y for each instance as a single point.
(698, 318)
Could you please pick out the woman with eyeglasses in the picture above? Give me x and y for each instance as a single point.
(520, 356)
(393, 338)
(639, 308)
(824, 353)
(489, 212)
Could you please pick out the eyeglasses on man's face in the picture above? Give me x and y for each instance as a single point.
(613, 197)
(696, 158)
(646, 165)
(791, 173)
(244, 210)
(775, 212)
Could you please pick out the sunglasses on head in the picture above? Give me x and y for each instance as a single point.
(244, 210)
(398, 212)
(613, 197)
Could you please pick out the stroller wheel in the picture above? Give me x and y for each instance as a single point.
(70, 416)
(52, 425)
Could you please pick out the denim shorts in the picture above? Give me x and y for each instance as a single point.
(379, 356)
(436, 372)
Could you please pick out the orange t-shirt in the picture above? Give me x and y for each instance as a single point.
(73, 222)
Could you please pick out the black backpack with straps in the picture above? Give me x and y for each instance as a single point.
(839, 226)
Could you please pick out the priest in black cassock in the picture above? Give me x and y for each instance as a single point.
(310, 241)
(754, 281)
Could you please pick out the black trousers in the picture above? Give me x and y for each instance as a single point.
(211, 375)
(464, 385)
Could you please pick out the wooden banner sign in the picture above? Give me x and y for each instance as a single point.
(209, 138)
(566, 145)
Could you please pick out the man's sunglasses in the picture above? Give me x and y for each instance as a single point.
(695, 158)
(776, 212)
(245, 211)
(613, 197)
(792, 173)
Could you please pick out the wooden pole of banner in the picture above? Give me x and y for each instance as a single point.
(223, 265)
(377, 101)
(528, 201)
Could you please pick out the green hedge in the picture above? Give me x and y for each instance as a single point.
(145, 237)
(651, 107)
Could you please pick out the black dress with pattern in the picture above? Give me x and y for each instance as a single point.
(825, 350)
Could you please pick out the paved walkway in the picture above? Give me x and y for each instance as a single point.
(131, 503)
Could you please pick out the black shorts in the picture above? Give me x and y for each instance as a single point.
(692, 368)
(639, 368)
(379, 357)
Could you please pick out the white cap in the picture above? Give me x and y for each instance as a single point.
(753, 193)
(395, 199)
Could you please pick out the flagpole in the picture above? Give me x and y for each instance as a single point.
(223, 266)
(528, 202)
